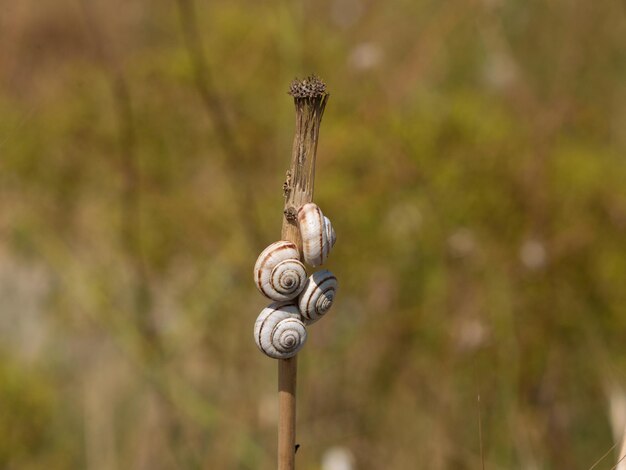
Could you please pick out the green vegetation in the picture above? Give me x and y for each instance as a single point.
(484, 251)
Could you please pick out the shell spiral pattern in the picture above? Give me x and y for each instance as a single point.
(279, 332)
(318, 296)
(318, 235)
(278, 273)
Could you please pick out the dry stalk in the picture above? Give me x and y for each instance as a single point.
(310, 99)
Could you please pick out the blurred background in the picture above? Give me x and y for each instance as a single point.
(471, 157)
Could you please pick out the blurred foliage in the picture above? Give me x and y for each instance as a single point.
(471, 158)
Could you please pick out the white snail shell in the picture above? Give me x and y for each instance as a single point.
(330, 232)
(278, 273)
(318, 296)
(318, 235)
(279, 331)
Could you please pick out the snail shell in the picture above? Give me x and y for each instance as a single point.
(278, 273)
(279, 331)
(317, 296)
(318, 235)
(330, 232)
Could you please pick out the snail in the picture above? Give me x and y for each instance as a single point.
(279, 331)
(317, 296)
(278, 273)
(318, 235)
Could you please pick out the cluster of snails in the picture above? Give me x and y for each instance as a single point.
(299, 301)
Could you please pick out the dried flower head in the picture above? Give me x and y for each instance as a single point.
(310, 87)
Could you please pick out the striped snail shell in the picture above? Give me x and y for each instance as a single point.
(278, 273)
(318, 235)
(279, 331)
(317, 296)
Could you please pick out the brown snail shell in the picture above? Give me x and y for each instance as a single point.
(278, 273)
(317, 296)
(318, 235)
(279, 331)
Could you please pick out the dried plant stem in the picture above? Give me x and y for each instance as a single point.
(310, 99)
(287, 373)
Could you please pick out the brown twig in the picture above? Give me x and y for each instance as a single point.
(310, 99)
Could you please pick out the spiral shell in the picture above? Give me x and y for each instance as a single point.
(317, 296)
(330, 232)
(279, 331)
(278, 273)
(318, 235)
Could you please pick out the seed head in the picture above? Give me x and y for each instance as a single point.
(310, 87)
